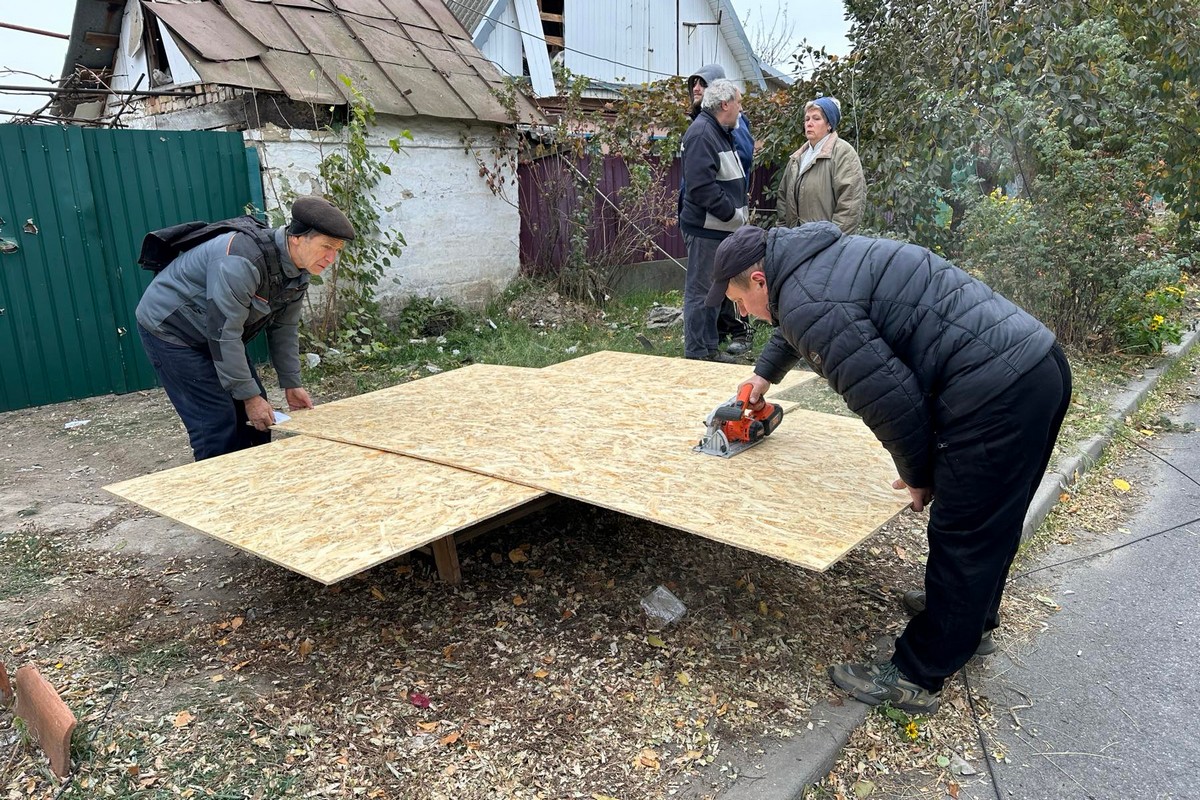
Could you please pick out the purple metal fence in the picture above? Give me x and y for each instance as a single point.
(549, 199)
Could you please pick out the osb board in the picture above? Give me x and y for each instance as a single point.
(808, 494)
(322, 508)
(640, 369)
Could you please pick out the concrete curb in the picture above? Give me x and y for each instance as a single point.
(807, 758)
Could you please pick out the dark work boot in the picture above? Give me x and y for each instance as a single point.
(879, 683)
(914, 603)
(741, 344)
(723, 358)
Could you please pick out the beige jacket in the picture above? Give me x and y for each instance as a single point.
(832, 188)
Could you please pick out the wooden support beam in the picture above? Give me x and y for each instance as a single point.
(445, 557)
(445, 550)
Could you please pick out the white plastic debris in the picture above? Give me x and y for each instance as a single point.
(312, 359)
(662, 606)
(76, 423)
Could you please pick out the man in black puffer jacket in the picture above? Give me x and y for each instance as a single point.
(965, 390)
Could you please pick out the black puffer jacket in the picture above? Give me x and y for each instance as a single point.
(909, 340)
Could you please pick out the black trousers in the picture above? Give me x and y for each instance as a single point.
(986, 470)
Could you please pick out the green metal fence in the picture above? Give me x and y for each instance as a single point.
(74, 205)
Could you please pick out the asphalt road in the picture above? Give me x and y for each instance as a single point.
(1103, 705)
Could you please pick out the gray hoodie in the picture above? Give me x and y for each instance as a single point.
(208, 298)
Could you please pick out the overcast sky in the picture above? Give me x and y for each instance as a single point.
(821, 22)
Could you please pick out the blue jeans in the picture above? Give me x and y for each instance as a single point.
(699, 322)
(215, 422)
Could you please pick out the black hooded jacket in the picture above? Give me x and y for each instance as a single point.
(910, 341)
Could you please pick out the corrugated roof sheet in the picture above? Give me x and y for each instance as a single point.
(408, 57)
(469, 12)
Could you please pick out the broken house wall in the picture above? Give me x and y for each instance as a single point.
(463, 240)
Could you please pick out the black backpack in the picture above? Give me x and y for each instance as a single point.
(160, 247)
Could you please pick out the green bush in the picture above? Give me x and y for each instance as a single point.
(1153, 305)
(1066, 248)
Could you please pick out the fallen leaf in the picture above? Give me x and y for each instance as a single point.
(647, 758)
(419, 700)
(450, 738)
(952, 790)
(901, 553)
(183, 719)
(220, 676)
(377, 593)
(1064, 497)
(306, 648)
(238, 667)
(683, 678)
(428, 726)
(762, 608)
(1048, 602)
(1121, 484)
(236, 622)
(655, 641)
(518, 600)
(517, 556)
(541, 673)
(863, 789)
(448, 651)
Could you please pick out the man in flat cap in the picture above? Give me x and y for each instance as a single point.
(199, 312)
(964, 389)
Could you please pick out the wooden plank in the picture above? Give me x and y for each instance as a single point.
(536, 54)
(808, 494)
(323, 509)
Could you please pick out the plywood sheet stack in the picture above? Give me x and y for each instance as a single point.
(380, 474)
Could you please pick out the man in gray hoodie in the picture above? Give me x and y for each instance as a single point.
(198, 313)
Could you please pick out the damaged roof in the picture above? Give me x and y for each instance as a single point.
(408, 57)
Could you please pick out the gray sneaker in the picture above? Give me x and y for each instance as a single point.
(879, 683)
(914, 603)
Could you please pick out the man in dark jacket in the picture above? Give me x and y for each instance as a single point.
(964, 389)
(729, 324)
(197, 315)
(712, 207)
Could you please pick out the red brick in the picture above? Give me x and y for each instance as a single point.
(49, 720)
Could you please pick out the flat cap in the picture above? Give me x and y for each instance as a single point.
(318, 214)
(736, 253)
